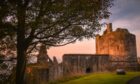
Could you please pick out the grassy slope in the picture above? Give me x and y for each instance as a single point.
(103, 78)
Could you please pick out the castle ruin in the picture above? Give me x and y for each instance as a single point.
(119, 44)
(85, 63)
(114, 49)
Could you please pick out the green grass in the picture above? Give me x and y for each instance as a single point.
(101, 78)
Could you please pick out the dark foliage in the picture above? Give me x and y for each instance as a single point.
(28, 23)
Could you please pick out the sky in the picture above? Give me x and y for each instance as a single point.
(125, 14)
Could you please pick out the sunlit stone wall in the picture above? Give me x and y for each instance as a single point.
(119, 44)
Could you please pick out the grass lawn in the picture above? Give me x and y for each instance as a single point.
(101, 78)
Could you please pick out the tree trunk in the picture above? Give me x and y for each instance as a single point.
(21, 50)
(21, 56)
(21, 64)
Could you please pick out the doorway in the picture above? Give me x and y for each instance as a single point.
(88, 70)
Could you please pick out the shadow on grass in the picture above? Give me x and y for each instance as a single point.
(67, 78)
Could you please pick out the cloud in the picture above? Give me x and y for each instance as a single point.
(125, 8)
(132, 25)
(126, 14)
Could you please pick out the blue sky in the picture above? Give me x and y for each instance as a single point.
(125, 14)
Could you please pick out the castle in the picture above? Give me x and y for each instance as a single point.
(120, 45)
(114, 49)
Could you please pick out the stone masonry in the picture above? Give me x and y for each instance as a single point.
(119, 44)
(44, 70)
(85, 63)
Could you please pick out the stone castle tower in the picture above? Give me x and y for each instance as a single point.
(119, 44)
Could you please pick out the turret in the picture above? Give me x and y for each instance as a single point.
(109, 27)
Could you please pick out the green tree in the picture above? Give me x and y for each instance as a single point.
(28, 23)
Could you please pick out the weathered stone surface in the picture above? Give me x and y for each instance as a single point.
(43, 57)
(44, 70)
(119, 44)
(120, 72)
(84, 63)
(37, 74)
(139, 60)
(41, 74)
(55, 72)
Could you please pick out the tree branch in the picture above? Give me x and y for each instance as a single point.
(31, 49)
(29, 39)
(53, 44)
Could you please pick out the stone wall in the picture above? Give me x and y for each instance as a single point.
(84, 63)
(41, 74)
(55, 72)
(119, 44)
(44, 70)
(139, 60)
(37, 74)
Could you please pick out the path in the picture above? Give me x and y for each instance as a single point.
(135, 80)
